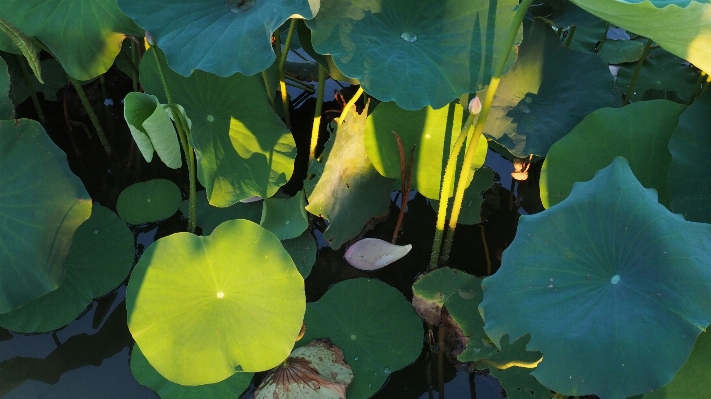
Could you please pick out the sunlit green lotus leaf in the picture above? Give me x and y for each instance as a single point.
(147, 376)
(243, 148)
(148, 201)
(99, 260)
(41, 206)
(7, 109)
(217, 36)
(473, 197)
(346, 189)
(415, 54)
(202, 308)
(314, 371)
(152, 128)
(661, 71)
(52, 73)
(518, 383)
(429, 131)
(549, 91)
(689, 185)
(84, 35)
(373, 324)
(660, 20)
(693, 381)
(609, 267)
(325, 61)
(285, 217)
(209, 217)
(303, 251)
(639, 132)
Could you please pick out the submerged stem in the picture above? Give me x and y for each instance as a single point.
(92, 115)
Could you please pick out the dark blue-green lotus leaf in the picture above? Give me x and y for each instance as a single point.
(375, 326)
(416, 54)
(613, 288)
(99, 260)
(84, 35)
(640, 132)
(41, 205)
(243, 148)
(7, 109)
(549, 91)
(346, 189)
(217, 36)
(147, 376)
(682, 27)
(148, 201)
(689, 184)
(303, 251)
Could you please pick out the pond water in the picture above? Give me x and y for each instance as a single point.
(89, 358)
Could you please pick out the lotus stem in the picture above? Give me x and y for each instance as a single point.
(350, 105)
(287, 44)
(479, 127)
(636, 72)
(33, 94)
(486, 249)
(183, 129)
(317, 112)
(571, 32)
(604, 38)
(282, 83)
(268, 87)
(92, 115)
(301, 82)
(298, 85)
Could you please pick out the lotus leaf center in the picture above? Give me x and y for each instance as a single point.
(408, 37)
(353, 337)
(210, 118)
(615, 279)
(220, 294)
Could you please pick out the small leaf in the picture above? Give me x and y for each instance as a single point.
(373, 253)
(285, 217)
(148, 201)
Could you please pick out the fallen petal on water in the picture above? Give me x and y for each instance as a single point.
(372, 253)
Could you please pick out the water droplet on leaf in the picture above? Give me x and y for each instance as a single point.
(408, 37)
(353, 337)
(210, 118)
(387, 371)
(240, 6)
(615, 279)
(96, 231)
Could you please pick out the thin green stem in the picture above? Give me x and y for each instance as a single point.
(317, 112)
(92, 115)
(571, 32)
(33, 91)
(299, 86)
(268, 87)
(479, 127)
(282, 83)
(350, 104)
(636, 72)
(604, 38)
(183, 129)
(287, 44)
(301, 82)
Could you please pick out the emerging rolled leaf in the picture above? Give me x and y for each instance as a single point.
(151, 128)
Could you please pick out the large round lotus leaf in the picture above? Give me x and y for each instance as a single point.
(346, 189)
(429, 131)
(41, 206)
(202, 308)
(374, 325)
(7, 109)
(217, 36)
(99, 260)
(244, 149)
(639, 132)
(147, 376)
(473, 198)
(549, 91)
(689, 185)
(99, 25)
(209, 217)
(416, 54)
(303, 251)
(693, 381)
(148, 201)
(660, 20)
(285, 217)
(612, 287)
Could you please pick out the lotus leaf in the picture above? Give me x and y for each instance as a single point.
(217, 36)
(209, 217)
(693, 381)
(7, 109)
(146, 375)
(152, 129)
(325, 61)
(148, 201)
(518, 383)
(549, 91)
(99, 260)
(285, 217)
(621, 51)
(303, 251)
(416, 54)
(84, 35)
(347, 190)
(202, 308)
(314, 371)
(243, 148)
(639, 132)
(574, 15)
(373, 324)
(609, 267)
(689, 186)
(473, 198)
(52, 73)
(41, 206)
(431, 132)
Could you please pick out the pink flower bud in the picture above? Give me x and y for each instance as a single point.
(475, 105)
(149, 39)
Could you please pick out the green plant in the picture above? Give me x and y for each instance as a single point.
(211, 76)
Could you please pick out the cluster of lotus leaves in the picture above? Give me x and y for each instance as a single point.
(608, 267)
(203, 308)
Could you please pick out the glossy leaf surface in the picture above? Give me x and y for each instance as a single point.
(609, 267)
(41, 206)
(416, 54)
(217, 36)
(203, 308)
(148, 201)
(243, 148)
